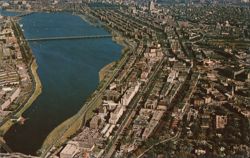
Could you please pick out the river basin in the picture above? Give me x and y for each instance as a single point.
(68, 70)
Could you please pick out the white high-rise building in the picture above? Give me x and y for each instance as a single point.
(151, 5)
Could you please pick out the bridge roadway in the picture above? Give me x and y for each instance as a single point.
(68, 38)
(24, 14)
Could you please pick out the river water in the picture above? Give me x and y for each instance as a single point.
(68, 70)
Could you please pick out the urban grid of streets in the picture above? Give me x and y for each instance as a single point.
(181, 90)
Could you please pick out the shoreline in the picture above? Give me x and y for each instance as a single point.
(36, 83)
(87, 19)
(76, 121)
(105, 70)
(72, 125)
(15, 10)
(37, 91)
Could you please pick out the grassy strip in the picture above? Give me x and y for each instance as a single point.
(6, 126)
(37, 92)
(38, 89)
(71, 126)
(103, 72)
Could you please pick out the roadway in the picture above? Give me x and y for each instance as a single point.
(175, 137)
(16, 155)
(115, 72)
(187, 99)
(14, 113)
(4, 146)
(93, 101)
(68, 38)
(110, 148)
(24, 14)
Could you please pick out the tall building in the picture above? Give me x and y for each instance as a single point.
(151, 6)
(221, 121)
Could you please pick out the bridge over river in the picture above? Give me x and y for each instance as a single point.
(68, 38)
(24, 14)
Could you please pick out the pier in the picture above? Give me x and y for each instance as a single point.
(68, 38)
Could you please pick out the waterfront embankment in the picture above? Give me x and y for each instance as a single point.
(68, 70)
(35, 81)
(37, 91)
(104, 71)
(72, 126)
(37, 86)
(90, 19)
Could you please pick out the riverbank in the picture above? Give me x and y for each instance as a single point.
(121, 41)
(36, 83)
(37, 91)
(68, 71)
(16, 10)
(90, 20)
(71, 126)
(104, 71)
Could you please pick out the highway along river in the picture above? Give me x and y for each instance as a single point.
(68, 70)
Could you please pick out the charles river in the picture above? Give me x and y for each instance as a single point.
(68, 70)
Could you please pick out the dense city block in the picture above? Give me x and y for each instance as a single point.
(180, 89)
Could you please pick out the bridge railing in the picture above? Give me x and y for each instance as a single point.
(68, 37)
(24, 14)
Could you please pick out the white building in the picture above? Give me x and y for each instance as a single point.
(173, 75)
(8, 102)
(111, 105)
(114, 116)
(151, 6)
(70, 150)
(129, 94)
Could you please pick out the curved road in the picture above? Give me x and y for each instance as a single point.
(161, 142)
